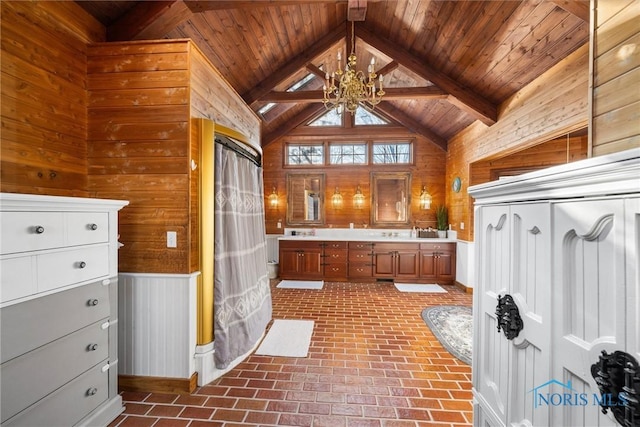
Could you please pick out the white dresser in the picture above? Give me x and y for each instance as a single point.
(558, 270)
(58, 310)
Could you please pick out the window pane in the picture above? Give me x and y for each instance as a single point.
(364, 117)
(305, 154)
(352, 154)
(330, 118)
(386, 152)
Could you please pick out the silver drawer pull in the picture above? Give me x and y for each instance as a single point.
(82, 264)
(92, 391)
(92, 302)
(38, 229)
(93, 226)
(92, 347)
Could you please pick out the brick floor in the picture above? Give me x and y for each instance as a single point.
(372, 362)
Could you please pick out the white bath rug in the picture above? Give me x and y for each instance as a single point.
(416, 287)
(287, 338)
(301, 284)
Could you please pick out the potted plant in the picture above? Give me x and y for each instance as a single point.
(442, 221)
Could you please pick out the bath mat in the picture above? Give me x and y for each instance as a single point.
(287, 338)
(415, 287)
(453, 326)
(301, 284)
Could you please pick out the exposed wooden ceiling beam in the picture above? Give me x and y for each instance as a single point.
(149, 20)
(575, 7)
(356, 10)
(302, 117)
(267, 85)
(317, 71)
(203, 5)
(411, 124)
(463, 98)
(393, 93)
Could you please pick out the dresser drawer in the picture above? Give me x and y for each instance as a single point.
(85, 228)
(68, 405)
(31, 324)
(72, 266)
(17, 278)
(31, 231)
(32, 376)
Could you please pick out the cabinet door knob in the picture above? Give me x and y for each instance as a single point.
(92, 347)
(39, 229)
(93, 226)
(93, 302)
(82, 264)
(92, 391)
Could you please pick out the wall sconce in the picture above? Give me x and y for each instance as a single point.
(336, 199)
(273, 199)
(425, 199)
(358, 199)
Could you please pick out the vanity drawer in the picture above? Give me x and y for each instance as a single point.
(360, 270)
(31, 231)
(68, 405)
(31, 324)
(335, 245)
(360, 256)
(333, 255)
(32, 376)
(72, 266)
(335, 270)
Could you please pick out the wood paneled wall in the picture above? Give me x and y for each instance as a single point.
(551, 106)
(616, 77)
(142, 97)
(428, 170)
(44, 97)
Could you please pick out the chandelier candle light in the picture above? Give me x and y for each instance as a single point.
(354, 88)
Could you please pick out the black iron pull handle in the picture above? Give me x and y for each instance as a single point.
(509, 320)
(618, 378)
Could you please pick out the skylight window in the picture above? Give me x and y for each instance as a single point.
(300, 83)
(267, 107)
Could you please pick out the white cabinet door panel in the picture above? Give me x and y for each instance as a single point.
(589, 300)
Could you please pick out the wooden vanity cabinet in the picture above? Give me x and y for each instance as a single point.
(360, 260)
(301, 259)
(396, 260)
(438, 262)
(335, 260)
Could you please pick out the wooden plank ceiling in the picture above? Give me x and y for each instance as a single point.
(446, 63)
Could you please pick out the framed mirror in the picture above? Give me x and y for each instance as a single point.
(305, 199)
(390, 198)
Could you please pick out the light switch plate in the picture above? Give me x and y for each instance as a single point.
(172, 239)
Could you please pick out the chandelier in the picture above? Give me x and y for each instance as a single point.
(353, 87)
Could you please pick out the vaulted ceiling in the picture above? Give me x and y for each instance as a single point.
(446, 63)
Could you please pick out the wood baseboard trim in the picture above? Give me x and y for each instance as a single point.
(157, 384)
(463, 287)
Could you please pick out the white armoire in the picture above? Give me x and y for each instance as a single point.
(556, 306)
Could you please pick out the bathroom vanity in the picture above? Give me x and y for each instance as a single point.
(367, 255)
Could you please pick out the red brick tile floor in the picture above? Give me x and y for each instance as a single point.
(372, 362)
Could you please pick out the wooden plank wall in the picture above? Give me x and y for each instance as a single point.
(551, 106)
(616, 77)
(429, 170)
(44, 98)
(138, 144)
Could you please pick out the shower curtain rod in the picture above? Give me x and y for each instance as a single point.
(237, 147)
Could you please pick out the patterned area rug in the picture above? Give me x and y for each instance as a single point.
(453, 326)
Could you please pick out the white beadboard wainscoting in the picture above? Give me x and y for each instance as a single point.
(272, 247)
(465, 263)
(157, 324)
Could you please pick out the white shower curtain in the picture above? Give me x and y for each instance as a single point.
(242, 297)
